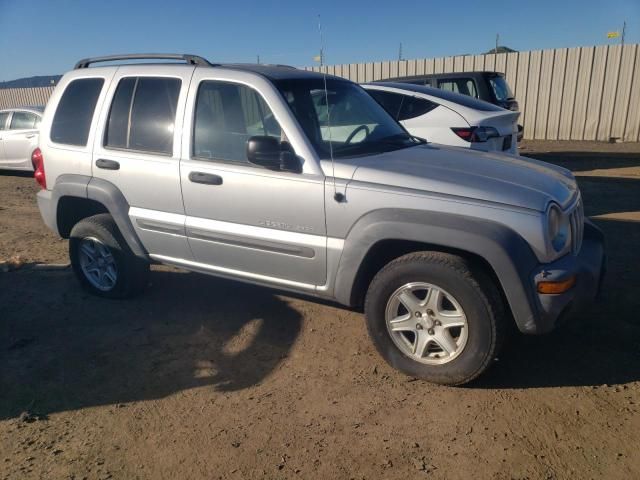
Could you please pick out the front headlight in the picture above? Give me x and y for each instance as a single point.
(558, 229)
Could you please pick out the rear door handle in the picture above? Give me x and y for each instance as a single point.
(107, 164)
(205, 178)
(31, 135)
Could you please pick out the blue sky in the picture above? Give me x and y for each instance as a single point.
(40, 37)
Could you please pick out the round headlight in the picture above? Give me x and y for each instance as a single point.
(558, 228)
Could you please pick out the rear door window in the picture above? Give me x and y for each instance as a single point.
(465, 86)
(72, 120)
(23, 121)
(143, 114)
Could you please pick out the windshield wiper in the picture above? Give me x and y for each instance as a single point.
(379, 145)
(403, 137)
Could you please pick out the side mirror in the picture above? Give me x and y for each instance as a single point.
(268, 152)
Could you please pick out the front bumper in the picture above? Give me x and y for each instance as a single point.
(588, 267)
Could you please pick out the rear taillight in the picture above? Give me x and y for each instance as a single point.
(476, 134)
(38, 166)
(464, 133)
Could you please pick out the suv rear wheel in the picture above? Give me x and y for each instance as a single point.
(432, 317)
(102, 261)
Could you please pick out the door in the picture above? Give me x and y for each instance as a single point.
(4, 123)
(138, 151)
(20, 139)
(244, 220)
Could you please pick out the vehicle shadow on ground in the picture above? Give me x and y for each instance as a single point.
(586, 161)
(597, 347)
(610, 195)
(602, 345)
(62, 349)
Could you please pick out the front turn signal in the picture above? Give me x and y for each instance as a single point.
(555, 287)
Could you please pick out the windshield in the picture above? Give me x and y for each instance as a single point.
(500, 88)
(352, 124)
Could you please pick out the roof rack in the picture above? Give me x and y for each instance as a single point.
(190, 59)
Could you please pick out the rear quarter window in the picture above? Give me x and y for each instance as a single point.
(23, 121)
(72, 120)
(413, 107)
(391, 102)
(402, 107)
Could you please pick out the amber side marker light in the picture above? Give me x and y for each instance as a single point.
(556, 287)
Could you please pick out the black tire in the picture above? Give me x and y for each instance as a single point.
(474, 292)
(131, 271)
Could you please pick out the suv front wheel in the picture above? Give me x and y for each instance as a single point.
(102, 261)
(432, 317)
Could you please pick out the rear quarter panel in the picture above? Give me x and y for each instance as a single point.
(435, 126)
(60, 159)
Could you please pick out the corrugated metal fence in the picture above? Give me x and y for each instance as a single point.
(584, 93)
(23, 97)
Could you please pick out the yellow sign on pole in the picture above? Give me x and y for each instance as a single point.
(613, 34)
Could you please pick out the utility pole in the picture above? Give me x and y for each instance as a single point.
(258, 59)
(624, 27)
(400, 52)
(321, 42)
(497, 41)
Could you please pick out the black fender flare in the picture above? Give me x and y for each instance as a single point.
(105, 193)
(508, 254)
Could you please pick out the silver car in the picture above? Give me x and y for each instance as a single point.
(19, 137)
(290, 179)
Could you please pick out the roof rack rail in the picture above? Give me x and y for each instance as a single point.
(190, 59)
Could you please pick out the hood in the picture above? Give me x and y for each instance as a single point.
(492, 177)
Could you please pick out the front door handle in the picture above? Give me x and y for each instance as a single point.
(107, 164)
(31, 135)
(205, 178)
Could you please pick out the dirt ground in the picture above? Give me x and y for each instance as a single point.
(205, 378)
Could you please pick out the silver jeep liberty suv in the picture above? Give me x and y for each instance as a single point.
(293, 180)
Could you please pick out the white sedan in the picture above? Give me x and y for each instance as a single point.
(19, 137)
(448, 118)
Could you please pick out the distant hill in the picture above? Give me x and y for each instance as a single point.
(501, 49)
(41, 81)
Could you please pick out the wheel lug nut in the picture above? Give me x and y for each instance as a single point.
(418, 314)
(418, 327)
(430, 331)
(437, 323)
(430, 312)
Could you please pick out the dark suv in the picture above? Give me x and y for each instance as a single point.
(491, 87)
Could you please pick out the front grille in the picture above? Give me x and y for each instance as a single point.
(577, 227)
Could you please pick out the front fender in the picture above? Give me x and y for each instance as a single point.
(503, 249)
